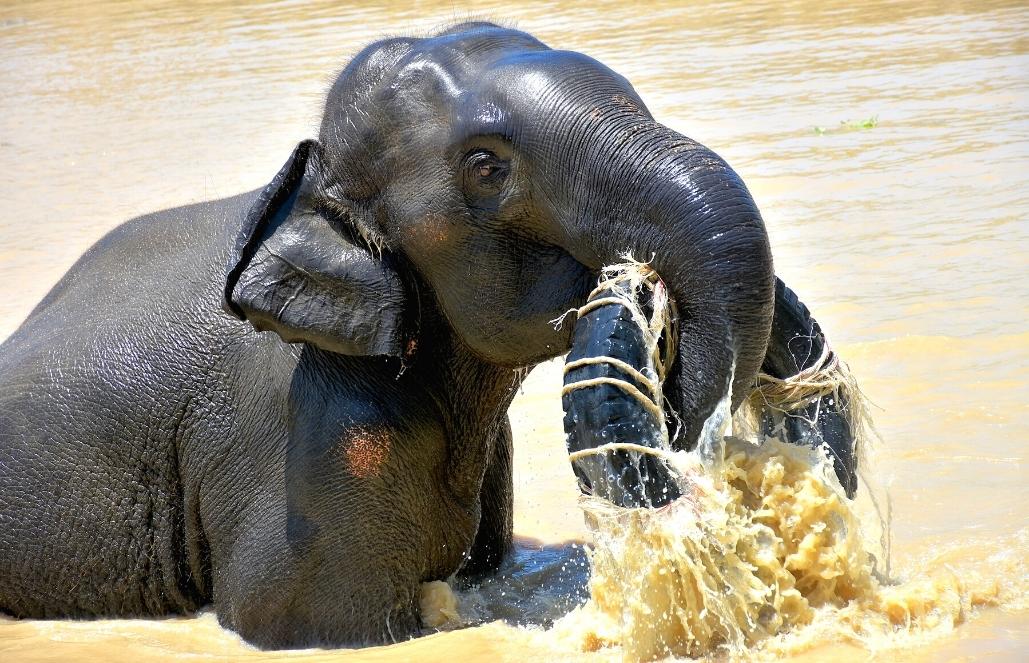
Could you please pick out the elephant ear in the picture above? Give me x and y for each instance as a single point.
(292, 272)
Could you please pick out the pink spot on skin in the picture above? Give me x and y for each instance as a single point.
(365, 451)
(433, 229)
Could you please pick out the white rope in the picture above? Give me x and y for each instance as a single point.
(597, 303)
(825, 376)
(621, 285)
(620, 446)
(625, 386)
(623, 366)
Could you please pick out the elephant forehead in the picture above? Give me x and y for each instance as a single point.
(477, 46)
(531, 93)
(455, 61)
(465, 82)
(493, 64)
(541, 71)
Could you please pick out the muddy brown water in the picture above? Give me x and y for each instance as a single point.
(909, 240)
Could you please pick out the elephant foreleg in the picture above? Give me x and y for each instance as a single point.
(493, 538)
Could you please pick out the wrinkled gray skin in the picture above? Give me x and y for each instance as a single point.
(158, 453)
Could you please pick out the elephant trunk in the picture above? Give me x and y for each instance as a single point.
(665, 199)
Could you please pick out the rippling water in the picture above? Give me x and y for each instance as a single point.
(909, 240)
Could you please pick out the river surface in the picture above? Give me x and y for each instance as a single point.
(909, 239)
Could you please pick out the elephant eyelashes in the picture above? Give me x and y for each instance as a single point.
(484, 173)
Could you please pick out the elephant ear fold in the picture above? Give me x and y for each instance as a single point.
(294, 273)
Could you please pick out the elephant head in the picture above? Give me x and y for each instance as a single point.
(502, 175)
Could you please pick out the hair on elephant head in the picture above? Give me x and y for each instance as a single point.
(501, 175)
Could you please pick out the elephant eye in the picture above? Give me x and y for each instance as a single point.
(485, 172)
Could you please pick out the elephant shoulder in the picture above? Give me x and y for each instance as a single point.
(152, 285)
(160, 259)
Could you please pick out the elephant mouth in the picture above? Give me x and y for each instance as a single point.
(613, 398)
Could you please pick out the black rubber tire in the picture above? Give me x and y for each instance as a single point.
(603, 414)
(796, 342)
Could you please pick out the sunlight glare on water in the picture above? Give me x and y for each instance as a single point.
(908, 240)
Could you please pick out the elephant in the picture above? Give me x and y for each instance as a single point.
(291, 404)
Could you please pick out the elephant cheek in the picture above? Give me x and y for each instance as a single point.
(364, 451)
(432, 233)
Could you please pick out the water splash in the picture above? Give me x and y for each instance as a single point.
(764, 556)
